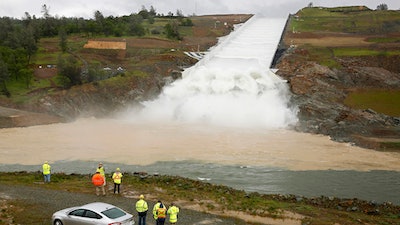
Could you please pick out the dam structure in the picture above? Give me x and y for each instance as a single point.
(232, 85)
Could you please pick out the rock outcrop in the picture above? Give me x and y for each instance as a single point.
(320, 92)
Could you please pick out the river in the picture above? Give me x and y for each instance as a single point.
(266, 161)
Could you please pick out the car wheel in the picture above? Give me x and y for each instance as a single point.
(57, 222)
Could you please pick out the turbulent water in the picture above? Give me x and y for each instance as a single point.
(232, 85)
(226, 121)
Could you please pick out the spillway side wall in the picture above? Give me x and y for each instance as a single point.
(281, 48)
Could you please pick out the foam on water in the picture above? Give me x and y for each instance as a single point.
(232, 85)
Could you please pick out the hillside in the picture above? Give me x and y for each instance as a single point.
(342, 67)
(132, 74)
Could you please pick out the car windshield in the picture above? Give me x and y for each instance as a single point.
(114, 213)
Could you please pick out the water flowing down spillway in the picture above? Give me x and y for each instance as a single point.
(232, 85)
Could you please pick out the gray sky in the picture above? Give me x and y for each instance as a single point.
(86, 8)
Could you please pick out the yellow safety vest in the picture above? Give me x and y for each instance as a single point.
(141, 206)
(46, 169)
(155, 208)
(117, 176)
(101, 170)
(173, 214)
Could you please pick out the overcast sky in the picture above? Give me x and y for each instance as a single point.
(86, 8)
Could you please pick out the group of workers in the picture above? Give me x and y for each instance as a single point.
(160, 210)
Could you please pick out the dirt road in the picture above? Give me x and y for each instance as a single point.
(39, 204)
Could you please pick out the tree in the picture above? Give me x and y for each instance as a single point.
(144, 13)
(136, 27)
(26, 75)
(27, 20)
(6, 28)
(15, 60)
(187, 22)
(382, 7)
(310, 5)
(46, 11)
(28, 42)
(4, 76)
(179, 13)
(99, 25)
(49, 24)
(152, 12)
(63, 39)
(151, 20)
(69, 71)
(171, 30)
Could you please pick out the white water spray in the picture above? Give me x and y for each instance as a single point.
(232, 85)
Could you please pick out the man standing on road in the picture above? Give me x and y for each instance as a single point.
(46, 172)
(141, 208)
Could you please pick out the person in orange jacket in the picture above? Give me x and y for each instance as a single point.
(98, 182)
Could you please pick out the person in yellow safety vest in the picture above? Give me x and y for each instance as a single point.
(46, 171)
(117, 178)
(156, 206)
(102, 171)
(173, 211)
(141, 208)
(98, 182)
(161, 214)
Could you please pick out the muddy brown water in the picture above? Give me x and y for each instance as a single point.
(266, 161)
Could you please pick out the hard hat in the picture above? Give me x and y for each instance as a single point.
(118, 169)
(141, 197)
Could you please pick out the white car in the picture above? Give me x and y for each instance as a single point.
(98, 213)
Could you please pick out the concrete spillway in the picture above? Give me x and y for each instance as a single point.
(232, 85)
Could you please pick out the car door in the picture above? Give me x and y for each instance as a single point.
(80, 217)
(75, 217)
(91, 217)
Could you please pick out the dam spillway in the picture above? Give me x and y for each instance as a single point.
(232, 85)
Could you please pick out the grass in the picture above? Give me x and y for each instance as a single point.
(355, 52)
(384, 39)
(348, 21)
(382, 101)
(323, 56)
